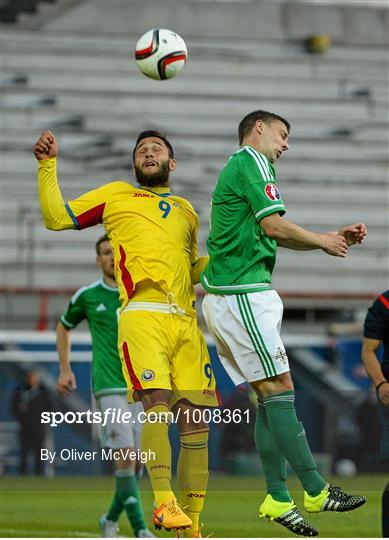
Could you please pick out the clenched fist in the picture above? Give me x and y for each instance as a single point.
(354, 234)
(66, 383)
(383, 394)
(46, 146)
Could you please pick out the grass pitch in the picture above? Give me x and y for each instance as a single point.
(71, 507)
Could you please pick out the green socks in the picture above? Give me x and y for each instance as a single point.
(273, 462)
(127, 497)
(116, 508)
(289, 436)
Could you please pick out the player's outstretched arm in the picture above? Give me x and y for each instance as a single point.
(55, 216)
(66, 382)
(292, 236)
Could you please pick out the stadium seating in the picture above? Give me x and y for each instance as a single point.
(87, 89)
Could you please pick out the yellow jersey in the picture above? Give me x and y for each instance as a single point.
(153, 235)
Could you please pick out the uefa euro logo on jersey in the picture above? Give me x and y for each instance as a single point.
(272, 192)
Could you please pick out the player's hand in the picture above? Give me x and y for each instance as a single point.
(334, 244)
(46, 146)
(66, 383)
(354, 234)
(383, 394)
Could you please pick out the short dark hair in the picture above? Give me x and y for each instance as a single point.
(247, 124)
(158, 135)
(100, 241)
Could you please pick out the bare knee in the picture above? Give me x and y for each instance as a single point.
(189, 417)
(154, 396)
(125, 462)
(273, 385)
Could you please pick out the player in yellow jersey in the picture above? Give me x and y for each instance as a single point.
(164, 354)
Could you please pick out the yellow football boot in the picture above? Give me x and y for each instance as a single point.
(170, 516)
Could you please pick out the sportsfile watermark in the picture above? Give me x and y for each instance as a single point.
(116, 416)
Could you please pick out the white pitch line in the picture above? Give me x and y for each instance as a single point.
(37, 532)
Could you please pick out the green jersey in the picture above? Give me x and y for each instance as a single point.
(99, 305)
(241, 255)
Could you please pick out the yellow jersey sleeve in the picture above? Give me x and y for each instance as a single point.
(55, 216)
(88, 209)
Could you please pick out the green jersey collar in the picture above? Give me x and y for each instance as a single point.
(108, 287)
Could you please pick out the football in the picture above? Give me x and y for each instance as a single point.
(161, 54)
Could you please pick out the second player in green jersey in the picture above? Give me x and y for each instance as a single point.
(98, 303)
(242, 256)
(244, 314)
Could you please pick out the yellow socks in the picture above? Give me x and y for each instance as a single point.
(155, 438)
(192, 473)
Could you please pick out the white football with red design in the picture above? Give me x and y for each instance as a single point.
(161, 54)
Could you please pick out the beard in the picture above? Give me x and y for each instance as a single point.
(158, 178)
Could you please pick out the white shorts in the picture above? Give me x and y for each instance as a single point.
(246, 330)
(120, 434)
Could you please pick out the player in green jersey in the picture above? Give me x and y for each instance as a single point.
(244, 314)
(99, 304)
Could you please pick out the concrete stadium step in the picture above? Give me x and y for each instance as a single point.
(225, 84)
(332, 171)
(129, 124)
(125, 83)
(325, 217)
(25, 100)
(13, 79)
(44, 11)
(319, 262)
(322, 282)
(17, 39)
(269, 20)
(205, 171)
(199, 145)
(339, 110)
(41, 275)
(368, 194)
(183, 123)
(74, 143)
(320, 150)
(17, 186)
(66, 240)
(306, 67)
(40, 117)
